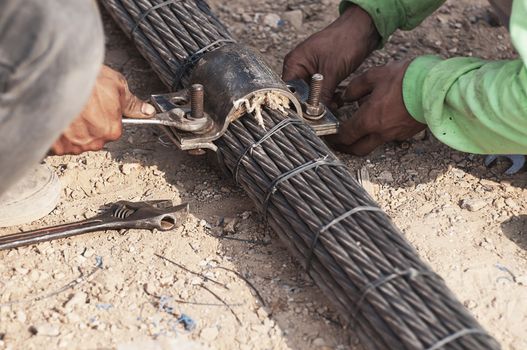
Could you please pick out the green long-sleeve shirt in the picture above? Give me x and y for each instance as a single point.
(470, 104)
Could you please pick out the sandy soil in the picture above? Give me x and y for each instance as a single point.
(115, 289)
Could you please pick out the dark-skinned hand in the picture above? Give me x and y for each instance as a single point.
(101, 119)
(382, 115)
(335, 52)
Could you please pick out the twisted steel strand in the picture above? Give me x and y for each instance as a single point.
(299, 250)
(348, 178)
(121, 16)
(175, 26)
(170, 40)
(142, 23)
(417, 303)
(366, 251)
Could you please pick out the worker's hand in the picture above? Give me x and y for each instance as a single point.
(334, 52)
(382, 115)
(101, 119)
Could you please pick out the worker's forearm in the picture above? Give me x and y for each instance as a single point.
(390, 15)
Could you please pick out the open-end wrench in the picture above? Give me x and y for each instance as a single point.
(178, 113)
(160, 215)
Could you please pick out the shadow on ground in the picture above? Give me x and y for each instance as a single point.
(516, 230)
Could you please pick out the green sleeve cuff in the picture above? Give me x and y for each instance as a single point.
(376, 9)
(390, 15)
(413, 85)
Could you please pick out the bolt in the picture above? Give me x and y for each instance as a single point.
(313, 108)
(315, 90)
(196, 101)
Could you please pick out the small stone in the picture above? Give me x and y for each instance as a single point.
(321, 310)
(456, 157)
(205, 224)
(511, 203)
(420, 136)
(68, 191)
(247, 18)
(88, 253)
(34, 275)
(184, 294)
(385, 176)
(73, 317)
(319, 342)
(59, 276)
(262, 313)
(295, 18)
(127, 168)
(209, 334)
(473, 204)
(22, 270)
(230, 225)
(271, 20)
(196, 281)
(150, 288)
(458, 173)
(499, 203)
(78, 298)
(522, 280)
(46, 329)
(470, 304)
(21, 316)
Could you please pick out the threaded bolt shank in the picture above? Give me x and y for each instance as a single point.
(315, 90)
(196, 101)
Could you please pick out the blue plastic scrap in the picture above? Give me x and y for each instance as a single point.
(102, 306)
(187, 322)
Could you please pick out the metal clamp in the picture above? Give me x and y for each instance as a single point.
(227, 82)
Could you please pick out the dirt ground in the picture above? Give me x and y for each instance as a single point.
(236, 286)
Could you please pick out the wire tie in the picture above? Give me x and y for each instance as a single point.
(456, 336)
(312, 164)
(268, 135)
(411, 272)
(335, 221)
(195, 57)
(150, 10)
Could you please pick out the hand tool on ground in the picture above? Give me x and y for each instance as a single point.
(150, 215)
(518, 161)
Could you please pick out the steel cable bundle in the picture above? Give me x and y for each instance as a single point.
(347, 244)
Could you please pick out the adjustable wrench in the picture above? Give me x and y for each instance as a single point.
(160, 215)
